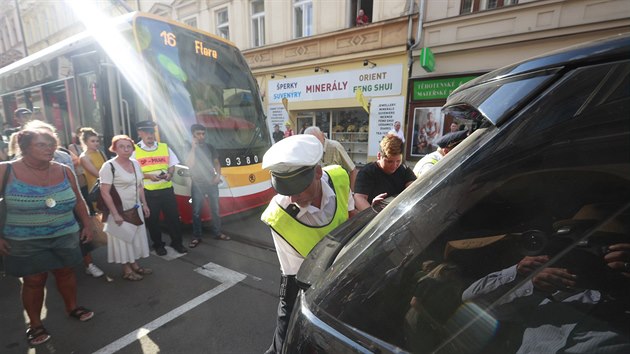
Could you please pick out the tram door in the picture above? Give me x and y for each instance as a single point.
(57, 111)
(106, 100)
(89, 88)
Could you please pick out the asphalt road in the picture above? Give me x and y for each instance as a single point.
(219, 298)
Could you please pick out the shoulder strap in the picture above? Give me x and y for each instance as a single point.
(111, 164)
(5, 179)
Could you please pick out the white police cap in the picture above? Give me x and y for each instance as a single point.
(292, 162)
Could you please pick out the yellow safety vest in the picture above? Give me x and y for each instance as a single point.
(304, 237)
(154, 161)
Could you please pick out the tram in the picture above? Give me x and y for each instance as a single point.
(147, 67)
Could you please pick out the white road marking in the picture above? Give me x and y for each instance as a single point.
(225, 276)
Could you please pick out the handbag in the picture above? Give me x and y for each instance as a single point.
(132, 216)
(100, 236)
(95, 192)
(3, 202)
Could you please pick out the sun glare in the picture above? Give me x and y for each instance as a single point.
(125, 57)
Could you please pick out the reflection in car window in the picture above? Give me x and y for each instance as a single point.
(497, 99)
(511, 252)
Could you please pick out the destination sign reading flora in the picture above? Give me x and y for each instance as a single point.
(375, 82)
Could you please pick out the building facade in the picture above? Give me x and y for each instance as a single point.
(472, 37)
(316, 66)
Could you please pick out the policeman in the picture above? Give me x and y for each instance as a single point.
(157, 162)
(21, 116)
(445, 144)
(311, 202)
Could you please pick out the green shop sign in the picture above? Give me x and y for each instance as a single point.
(436, 89)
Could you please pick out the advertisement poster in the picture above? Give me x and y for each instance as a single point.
(428, 124)
(384, 112)
(276, 114)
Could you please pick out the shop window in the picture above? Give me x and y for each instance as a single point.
(350, 128)
(470, 6)
(223, 25)
(258, 23)
(302, 18)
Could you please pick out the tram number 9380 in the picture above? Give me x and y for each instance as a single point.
(241, 160)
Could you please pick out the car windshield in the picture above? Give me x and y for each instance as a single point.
(459, 261)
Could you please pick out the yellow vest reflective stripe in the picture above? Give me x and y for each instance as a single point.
(154, 161)
(304, 237)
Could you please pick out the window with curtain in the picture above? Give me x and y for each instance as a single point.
(223, 23)
(470, 6)
(302, 18)
(258, 23)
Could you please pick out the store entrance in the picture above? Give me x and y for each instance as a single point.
(349, 126)
(319, 119)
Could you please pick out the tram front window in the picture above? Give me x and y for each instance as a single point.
(201, 80)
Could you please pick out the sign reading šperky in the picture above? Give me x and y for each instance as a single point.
(437, 89)
(374, 82)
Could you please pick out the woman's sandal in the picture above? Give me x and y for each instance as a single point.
(37, 335)
(194, 243)
(143, 271)
(132, 276)
(82, 314)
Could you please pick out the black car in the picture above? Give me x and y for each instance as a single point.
(517, 241)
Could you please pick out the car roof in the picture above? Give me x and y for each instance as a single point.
(592, 52)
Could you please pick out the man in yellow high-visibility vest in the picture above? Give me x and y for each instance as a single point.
(157, 162)
(311, 202)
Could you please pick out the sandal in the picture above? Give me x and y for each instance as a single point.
(37, 335)
(143, 271)
(132, 276)
(222, 237)
(82, 314)
(194, 243)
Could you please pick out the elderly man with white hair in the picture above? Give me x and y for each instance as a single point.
(334, 153)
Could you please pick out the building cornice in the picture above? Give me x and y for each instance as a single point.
(356, 41)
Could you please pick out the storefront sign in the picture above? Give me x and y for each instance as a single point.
(427, 60)
(375, 82)
(383, 113)
(437, 89)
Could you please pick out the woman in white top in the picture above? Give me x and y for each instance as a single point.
(125, 242)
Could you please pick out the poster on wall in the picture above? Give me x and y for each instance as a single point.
(428, 125)
(384, 113)
(276, 114)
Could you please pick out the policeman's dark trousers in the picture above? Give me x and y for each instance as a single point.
(288, 293)
(163, 200)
